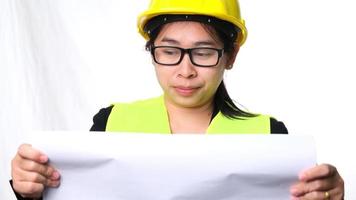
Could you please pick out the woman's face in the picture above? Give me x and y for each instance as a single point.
(184, 84)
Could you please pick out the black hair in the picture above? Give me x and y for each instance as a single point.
(227, 34)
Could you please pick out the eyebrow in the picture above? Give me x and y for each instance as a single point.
(199, 43)
(169, 40)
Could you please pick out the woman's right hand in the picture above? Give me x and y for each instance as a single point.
(31, 173)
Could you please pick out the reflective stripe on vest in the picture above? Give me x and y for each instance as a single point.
(150, 116)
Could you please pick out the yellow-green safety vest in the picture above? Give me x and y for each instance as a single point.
(150, 116)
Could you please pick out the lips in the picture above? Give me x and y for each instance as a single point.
(185, 91)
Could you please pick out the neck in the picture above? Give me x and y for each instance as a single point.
(189, 119)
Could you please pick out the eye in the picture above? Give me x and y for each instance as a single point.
(203, 52)
(170, 51)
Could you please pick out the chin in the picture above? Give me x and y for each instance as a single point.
(187, 102)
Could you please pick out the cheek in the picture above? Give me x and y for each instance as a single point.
(214, 78)
(218, 73)
(162, 76)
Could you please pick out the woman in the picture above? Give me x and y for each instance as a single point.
(192, 43)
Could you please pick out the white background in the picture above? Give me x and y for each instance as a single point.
(62, 60)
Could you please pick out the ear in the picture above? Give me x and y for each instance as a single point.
(232, 57)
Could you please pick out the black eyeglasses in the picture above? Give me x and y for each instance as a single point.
(201, 56)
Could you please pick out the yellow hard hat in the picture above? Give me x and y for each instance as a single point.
(226, 10)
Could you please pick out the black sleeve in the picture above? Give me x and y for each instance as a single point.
(101, 118)
(278, 127)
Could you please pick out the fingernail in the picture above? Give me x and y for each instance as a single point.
(302, 176)
(55, 184)
(293, 191)
(55, 175)
(43, 158)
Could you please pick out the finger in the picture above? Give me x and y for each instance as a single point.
(299, 189)
(303, 188)
(317, 172)
(22, 182)
(45, 170)
(26, 151)
(27, 176)
(336, 193)
(314, 196)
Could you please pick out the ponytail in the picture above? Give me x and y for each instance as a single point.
(224, 104)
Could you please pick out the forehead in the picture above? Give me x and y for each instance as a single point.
(187, 32)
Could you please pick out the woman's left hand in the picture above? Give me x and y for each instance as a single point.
(322, 182)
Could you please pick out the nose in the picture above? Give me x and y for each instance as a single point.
(186, 68)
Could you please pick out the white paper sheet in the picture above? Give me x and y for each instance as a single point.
(174, 167)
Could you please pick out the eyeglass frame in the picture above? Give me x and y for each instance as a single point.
(186, 51)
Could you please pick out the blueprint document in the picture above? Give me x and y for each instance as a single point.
(134, 166)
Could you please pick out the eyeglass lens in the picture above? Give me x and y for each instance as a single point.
(173, 55)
